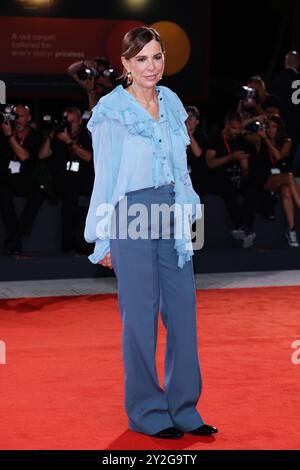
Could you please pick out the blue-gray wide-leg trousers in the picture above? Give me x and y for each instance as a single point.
(149, 281)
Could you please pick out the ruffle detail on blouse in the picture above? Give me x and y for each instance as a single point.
(120, 107)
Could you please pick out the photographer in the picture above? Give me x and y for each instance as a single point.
(249, 106)
(255, 103)
(19, 146)
(227, 158)
(282, 87)
(267, 170)
(267, 102)
(68, 150)
(97, 77)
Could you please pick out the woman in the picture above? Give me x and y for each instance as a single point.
(274, 148)
(139, 140)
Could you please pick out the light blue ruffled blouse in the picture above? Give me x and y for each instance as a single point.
(134, 151)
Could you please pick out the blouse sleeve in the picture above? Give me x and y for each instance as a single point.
(97, 222)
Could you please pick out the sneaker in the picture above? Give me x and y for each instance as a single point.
(248, 239)
(292, 238)
(238, 234)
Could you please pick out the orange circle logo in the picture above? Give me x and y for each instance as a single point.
(177, 45)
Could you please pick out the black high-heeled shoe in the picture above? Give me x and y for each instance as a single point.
(204, 430)
(169, 433)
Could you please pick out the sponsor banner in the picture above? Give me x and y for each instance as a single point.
(50, 45)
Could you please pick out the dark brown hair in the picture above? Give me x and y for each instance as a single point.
(281, 135)
(134, 41)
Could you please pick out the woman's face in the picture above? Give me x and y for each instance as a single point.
(147, 66)
(272, 129)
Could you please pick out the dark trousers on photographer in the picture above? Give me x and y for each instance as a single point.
(242, 214)
(16, 227)
(250, 195)
(73, 213)
(217, 184)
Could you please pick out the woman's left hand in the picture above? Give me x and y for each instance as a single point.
(106, 261)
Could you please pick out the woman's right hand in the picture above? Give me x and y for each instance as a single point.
(263, 134)
(106, 261)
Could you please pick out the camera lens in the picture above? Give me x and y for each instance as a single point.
(85, 73)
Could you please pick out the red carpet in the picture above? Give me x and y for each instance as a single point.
(62, 385)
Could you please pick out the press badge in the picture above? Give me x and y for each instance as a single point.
(73, 166)
(275, 171)
(14, 166)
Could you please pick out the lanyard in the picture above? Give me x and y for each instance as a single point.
(24, 135)
(21, 141)
(226, 144)
(71, 150)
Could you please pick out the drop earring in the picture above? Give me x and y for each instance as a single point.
(129, 78)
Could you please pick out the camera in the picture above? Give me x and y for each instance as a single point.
(256, 126)
(58, 126)
(249, 94)
(85, 72)
(7, 113)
